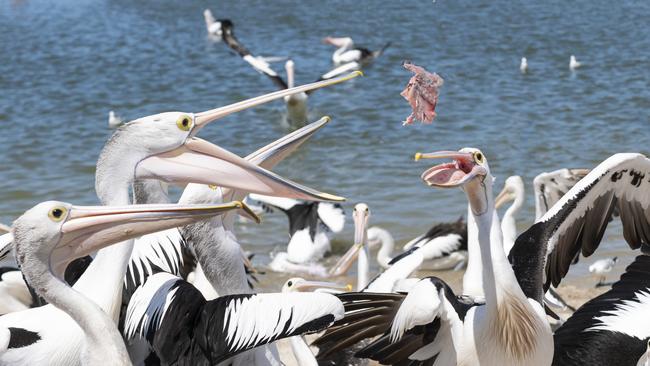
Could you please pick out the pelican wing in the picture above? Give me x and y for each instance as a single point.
(576, 224)
(183, 328)
(162, 251)
(550, 187)
(613, 328)
(449, 236)
(400, 268)
(367, 315)
(258, 63)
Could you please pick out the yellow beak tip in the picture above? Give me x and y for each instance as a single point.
(358, 73)
(417, 156)
(348, 287)
(327, 118)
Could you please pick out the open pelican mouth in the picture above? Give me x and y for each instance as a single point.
(461, 170)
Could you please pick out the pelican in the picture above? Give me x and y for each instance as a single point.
(347, 52)
(296, 104)
(523, 66)
(51, 234)
(513, 190)
(310, 227)
(573, 63)
(113, 120)
(219, 255)
(541, 257)
(601, 267)
(161, 147)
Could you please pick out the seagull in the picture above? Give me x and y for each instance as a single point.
(113, 120)
(523, 67)
(601, 267)
(573, 63)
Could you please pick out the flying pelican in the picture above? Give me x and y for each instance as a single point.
(162, 147)
(296, 104)
(541, 257)
(347, 52)
(573, 63)
(601, 267)
(213, 26)
(51, 234)
(523, 67)
(113, 120)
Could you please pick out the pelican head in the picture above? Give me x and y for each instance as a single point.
(468, 170)
(512, 189)
(57, 232)
(164, 147)
(361, 216)
(298, 284)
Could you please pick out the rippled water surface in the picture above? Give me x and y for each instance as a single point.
(65, 64)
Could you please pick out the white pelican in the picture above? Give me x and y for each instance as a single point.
(113, 120)
(573, 63)
(541, 256)
(50, 235)
(347, 52)
(601, 267)
(162, 147)
(310, 227)
(513, 190)
(549, 187)
(523, 66)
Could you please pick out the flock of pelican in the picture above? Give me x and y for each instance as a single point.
(140, 280)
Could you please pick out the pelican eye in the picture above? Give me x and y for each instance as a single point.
(289, 283)
(478, 157)
(184, 122)
(57, 214)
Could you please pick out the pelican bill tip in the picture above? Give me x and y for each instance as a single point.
(418, 156)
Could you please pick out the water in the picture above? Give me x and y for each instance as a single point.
(65, 64)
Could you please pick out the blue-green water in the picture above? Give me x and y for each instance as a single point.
(65, 64)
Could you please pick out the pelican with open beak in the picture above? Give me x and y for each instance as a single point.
(52, 234)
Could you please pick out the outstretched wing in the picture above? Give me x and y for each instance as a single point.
(257, 63)
(577, 222)
(185, 329)
(602, 331)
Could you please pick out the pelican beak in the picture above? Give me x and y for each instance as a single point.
(455, 174)
(273, 153)
(198, 161)
(203, 118)
(307, 286)
(360, 224)
(504, 196)
(90, 228)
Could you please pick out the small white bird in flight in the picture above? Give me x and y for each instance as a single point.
(523, 67)
(573, 63)
(602, 266)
